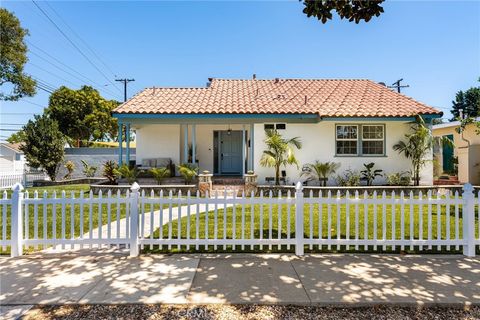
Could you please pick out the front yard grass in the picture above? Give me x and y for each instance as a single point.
(311, 226)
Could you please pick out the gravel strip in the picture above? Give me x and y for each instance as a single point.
(137, 311)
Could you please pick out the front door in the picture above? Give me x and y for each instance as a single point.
(230, 152)
(447, 156)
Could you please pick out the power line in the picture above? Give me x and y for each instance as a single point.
(33, 103)
(17, 113)
(73, 44)
(81, 39)
(83, 77)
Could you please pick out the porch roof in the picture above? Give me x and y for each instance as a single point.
(314, 97)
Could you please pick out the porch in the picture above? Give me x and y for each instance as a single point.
(226, 150)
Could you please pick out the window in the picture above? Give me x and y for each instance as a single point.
(347, 139)
(269, 126)
(281, 126)
(370, 137)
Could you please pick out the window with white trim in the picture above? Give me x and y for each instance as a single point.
(347, 139)
(373, 139)
(360, 140)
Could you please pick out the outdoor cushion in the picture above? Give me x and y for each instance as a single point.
(163, 162)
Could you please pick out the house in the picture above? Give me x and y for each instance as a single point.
(221, 127)
(466, 150)
(12, 159)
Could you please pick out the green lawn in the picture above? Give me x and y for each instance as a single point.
(311, 224)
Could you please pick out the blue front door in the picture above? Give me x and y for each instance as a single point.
(230, 152)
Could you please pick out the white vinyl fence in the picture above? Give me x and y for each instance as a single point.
(9, 179)
(377, 222)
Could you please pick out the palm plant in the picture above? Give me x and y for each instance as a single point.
(188, 171)
(417, 146)
(320, 171)
(128, 173)
(279, 152)
(159, 174)
(369, 174)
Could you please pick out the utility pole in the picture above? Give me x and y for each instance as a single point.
(398, 86)
(125, 82)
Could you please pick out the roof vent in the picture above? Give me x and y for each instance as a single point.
(254, 76)
(153, 93)
(277, 80)
(382, 83)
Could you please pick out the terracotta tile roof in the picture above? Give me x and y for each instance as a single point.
(12, 146)
(327, 98)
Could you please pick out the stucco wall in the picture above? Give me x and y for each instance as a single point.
(158, 141)
(319, 144)
(468, 159)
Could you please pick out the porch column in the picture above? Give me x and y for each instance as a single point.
(185, 144)
(252, 144)
(243, 150)
(120, 141)
(194, 144)
(127, 137)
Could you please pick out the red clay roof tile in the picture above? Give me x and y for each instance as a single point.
(327, 98)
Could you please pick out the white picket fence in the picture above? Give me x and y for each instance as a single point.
(9, 179)
(138, 220)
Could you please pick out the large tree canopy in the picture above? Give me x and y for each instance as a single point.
(353, 10)
(468, 101)
(13, 56)
(83, 115)
(44, 144)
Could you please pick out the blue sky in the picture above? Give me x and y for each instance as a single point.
(434, 46)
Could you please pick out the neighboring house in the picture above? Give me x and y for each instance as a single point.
(466, 148)
(12, 159)
(222, 126)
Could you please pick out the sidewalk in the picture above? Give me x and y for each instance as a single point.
(113, 278)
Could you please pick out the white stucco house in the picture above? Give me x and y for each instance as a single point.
(222, 126)
(12, 159)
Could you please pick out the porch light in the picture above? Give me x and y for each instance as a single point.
(229, 131)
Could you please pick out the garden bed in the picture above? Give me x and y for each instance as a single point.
(166, 188)
(44, 183)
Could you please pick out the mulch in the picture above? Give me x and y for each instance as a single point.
(224, 312)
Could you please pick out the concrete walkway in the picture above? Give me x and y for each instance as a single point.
(113, 277)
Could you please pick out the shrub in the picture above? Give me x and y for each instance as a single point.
(159, 174)
(188, 171)
(128, 173)
(109, 168)
(320, 171)
(369, 174)
(88, 170)
(70, 167)
(351, 178)
(399, 178)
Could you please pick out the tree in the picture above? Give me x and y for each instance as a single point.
(321, 171)
(44, 144)
(17, 137)
(369, 174)
(417, 146)
(159, 174)
(468, 101)
(353, 10)
(83, 115)
(279, 152)
(13, 56)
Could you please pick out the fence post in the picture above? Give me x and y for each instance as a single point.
(468, 215)
(134, 199)
(16, 234)
(299, 235)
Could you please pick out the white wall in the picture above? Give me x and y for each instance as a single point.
(319, 144)
(158, 141)
(8, 162)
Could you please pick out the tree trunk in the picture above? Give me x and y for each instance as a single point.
(277, 175)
